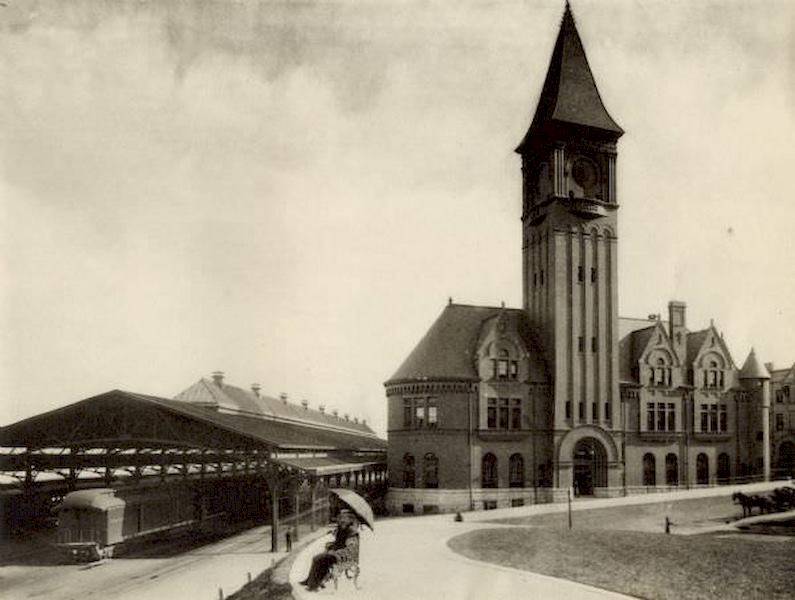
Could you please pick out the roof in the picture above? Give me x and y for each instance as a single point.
(328, 465)
(782, 375)
(231, 399)
(695, 341)
(120, 417)
(569, 94)
(753, 369)
(448, 350)
(99, 498)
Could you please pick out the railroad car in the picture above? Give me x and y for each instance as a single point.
(93, 523)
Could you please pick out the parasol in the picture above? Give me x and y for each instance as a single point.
(357, 504)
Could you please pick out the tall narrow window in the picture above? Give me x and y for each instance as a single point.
(594, 411)
(671, 416)
(593, 275)
(671, 470)
(407, 413)
(702, 469)
(514, 372)
(713, 417)
(488, 471)
(608, 414)
(724, 418)
(581, 414)
(581, 344)
(419, 414)
(408, 471)
(568, 409)
(430, 471)
(660, 416)
(649, 470)
(503, 413)
(704, 417)
(516, 471)
(491, 414)
(580, 274)
(594, 346)
(516, 413)
(433, 419)
(650, 416)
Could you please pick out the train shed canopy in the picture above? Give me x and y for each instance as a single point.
(122, 419)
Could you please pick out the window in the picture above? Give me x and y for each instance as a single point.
(650, 416)
(661, 416)
(408, 471)
(408, 508)
(514, 371)
(724, 418)
(504, 367)
(419, 414)
(491, 414)
(671, 470)
(671, 416)
(489, 504)
(582, 410)
(516, 413)
(608, 415)
(594, 346)
(724, 468)
(660, 374)
(779, 396)
(407, 414)
(517, 502)
(516, 471)
(430, 471)
(713, 417)
(779, 422)
(593, 275)
(704, 418)
(541, 277)
(580, 274)
(713, 377)
(702, 469)
(594, 412)
(581, 344)
(649, 470)
(503, 413)
(568, 409)
(488, 471)
(433, 418)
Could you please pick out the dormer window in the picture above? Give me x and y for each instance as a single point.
(505, 367)
(713, 376)
(660, 374)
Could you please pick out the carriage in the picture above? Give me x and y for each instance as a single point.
(95, 523)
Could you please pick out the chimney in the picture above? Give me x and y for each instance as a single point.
(255, 388)
(652, 317)
(335, 412)
(283, 397)
(218, 378)
(305, 404)
(769, 366)
(677, 327)
(322, 408)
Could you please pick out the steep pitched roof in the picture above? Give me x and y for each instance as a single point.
(781, 375)
(570, 94)
(448, 349)
(695, 341)
(753, 369)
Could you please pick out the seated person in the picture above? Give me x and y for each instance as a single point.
(346, 531)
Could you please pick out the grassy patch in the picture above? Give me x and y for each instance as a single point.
(624, 549)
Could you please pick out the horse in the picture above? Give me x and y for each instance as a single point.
(749, 502)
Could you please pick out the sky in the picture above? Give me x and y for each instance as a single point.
(290, 192)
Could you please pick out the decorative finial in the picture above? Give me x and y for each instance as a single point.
(502, 304)
(449, 300)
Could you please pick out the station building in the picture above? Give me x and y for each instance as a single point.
(500, 406)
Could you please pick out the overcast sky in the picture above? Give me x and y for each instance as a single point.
(289, 192)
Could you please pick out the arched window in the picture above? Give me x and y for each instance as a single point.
(430, 471)
(702, 469)
(724, 468)
(504, 366)
(649, 470)
(516, 471)
(488, 471)
(671, 470)
(408, 471)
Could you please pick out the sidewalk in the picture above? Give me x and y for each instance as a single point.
(408, 558)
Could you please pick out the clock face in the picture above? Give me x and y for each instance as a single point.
(584, 173)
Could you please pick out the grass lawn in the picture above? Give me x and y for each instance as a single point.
(625, 550)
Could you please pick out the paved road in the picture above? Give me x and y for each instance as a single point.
(197, 574)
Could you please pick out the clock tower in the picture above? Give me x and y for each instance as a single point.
(570, 251)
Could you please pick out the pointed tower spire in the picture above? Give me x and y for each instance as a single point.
(753, 369)
(570, 95)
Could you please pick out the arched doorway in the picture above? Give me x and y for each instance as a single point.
(590, 466)
(724, 468)
(702, 469)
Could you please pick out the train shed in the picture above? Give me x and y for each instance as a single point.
(211, 434)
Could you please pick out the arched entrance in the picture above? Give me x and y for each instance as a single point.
(590, 466)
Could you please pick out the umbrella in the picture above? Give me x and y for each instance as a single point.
(357, 504)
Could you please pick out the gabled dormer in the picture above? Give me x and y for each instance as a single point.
(709, 362)
(502, 355)
(656, 360)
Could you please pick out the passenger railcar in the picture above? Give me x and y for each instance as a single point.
(93, 523)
